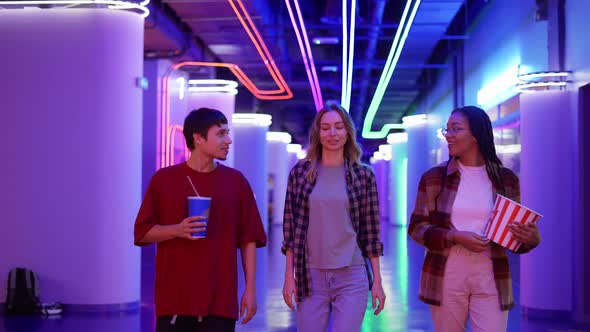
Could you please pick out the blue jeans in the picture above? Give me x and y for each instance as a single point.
(342, 292)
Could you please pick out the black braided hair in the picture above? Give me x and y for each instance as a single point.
(481, 128)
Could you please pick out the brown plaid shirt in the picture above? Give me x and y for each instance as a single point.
(364, 213)
(429, 228)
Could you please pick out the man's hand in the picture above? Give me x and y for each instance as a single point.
(471, 241)
(289, 292)
(527, 234)
(248, 305)
(378, 294)
(189, 226)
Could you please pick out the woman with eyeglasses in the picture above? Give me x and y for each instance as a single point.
(331, 224)
(464, 274)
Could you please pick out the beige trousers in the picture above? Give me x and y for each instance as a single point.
(469, 291)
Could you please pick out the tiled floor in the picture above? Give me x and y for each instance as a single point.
(403, 312)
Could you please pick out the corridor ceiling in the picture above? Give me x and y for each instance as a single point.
(178, 29)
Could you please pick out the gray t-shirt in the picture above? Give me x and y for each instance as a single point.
(331, 239)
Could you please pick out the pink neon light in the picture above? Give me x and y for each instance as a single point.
(306, 55)
(172, 139)
(310, 55)
(165, 158)
(242, 77)
(259, 43)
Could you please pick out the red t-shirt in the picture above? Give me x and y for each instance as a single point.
(199, 277)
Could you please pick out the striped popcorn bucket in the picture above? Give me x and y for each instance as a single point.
(505, 212)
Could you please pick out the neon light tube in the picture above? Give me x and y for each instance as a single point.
(396, 48)
(223, 83)
(245, 80)
(172, 142)
(347, 53)
(283, 91)
(528, 76)
(198, 89)
(111, 4)
(350, 55)
(306, 54)
(526, 87)
(310, 56)
(258, 42)
(344, 53)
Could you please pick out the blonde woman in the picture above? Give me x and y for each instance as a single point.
(331, 224)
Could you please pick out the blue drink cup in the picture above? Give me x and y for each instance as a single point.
(199, 206)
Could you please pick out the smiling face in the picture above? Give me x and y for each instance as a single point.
(216, 145)
(333, 133)
(459, 138)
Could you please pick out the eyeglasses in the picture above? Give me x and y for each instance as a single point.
(451, 131)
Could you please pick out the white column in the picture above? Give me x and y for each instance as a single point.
(72, 130)
(250, 155)
(250, 158)
(418, 155)
(278, 171)
(381, 169)
(295, 153)
(398, 179)
(547, 158)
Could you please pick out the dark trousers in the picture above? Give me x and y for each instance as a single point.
(192, 324)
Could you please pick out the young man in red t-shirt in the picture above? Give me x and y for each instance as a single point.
(196, 278)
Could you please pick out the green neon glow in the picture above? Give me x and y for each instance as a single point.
(394, 53)
(402, 268)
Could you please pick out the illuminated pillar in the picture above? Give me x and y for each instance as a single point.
(295, 153)
(547, 186)
(278, 172)
(71, 176)
(398, 179)
(250, 156)
(418, 152)
(382, 159)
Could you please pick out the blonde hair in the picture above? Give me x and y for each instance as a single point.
(352, 150)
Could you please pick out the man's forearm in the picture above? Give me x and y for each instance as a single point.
(248, 252)
(159, 233)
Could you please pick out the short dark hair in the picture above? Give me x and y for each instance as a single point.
(199, 121)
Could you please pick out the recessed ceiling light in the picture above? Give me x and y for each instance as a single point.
(225, 49)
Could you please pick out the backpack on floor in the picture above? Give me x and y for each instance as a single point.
(22, 296)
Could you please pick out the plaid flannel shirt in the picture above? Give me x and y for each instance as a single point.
(364, 214)
(429, 228)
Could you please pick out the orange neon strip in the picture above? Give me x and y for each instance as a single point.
(165, 157)
(241, 76)
(259, 43)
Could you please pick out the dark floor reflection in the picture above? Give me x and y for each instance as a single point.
(403, 311)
